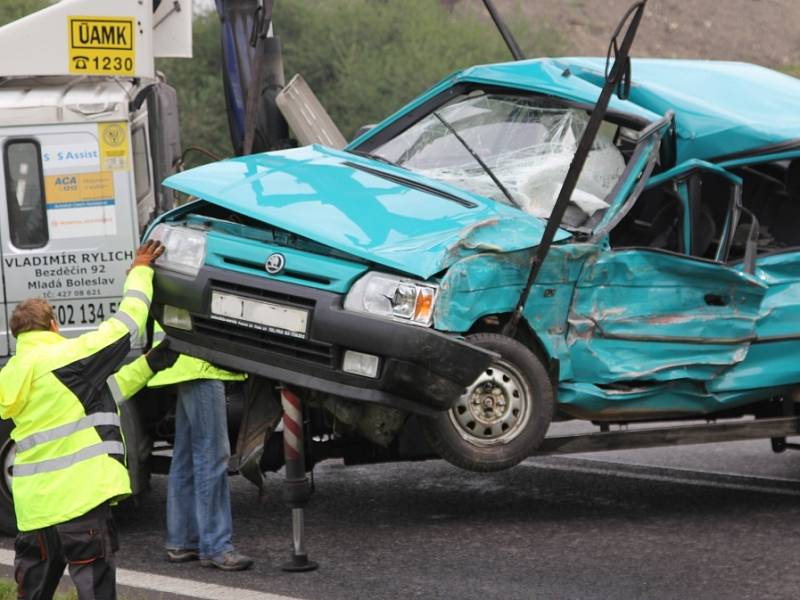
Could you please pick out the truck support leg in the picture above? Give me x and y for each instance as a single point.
(297, 488)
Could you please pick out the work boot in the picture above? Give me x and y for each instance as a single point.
(182, 555)
(228, 561)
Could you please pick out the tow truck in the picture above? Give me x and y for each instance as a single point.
(88, 131)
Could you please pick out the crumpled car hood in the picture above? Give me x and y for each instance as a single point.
(365, 208)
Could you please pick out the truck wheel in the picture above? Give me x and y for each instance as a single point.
(8, 449)
(503, 416)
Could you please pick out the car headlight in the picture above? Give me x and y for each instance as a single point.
(184, 248)
(393, 297)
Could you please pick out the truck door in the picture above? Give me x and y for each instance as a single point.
(69, 222)
(662, 304)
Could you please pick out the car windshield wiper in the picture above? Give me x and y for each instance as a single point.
(377, 157)
(478, 159)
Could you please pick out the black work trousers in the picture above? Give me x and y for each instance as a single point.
(86, 544)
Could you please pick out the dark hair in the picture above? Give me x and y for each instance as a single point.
(33, 314)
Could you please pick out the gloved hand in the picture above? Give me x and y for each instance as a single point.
(147, 253)
(161, 357)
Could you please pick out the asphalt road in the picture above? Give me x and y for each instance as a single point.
(694, 522)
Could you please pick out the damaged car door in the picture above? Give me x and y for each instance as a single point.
(661, 313)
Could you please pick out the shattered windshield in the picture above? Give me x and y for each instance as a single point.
(526, 142)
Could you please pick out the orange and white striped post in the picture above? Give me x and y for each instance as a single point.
(297, 488)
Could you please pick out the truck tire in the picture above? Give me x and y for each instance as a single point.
(8, 519)
(504, 414)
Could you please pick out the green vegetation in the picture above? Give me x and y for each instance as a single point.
(8, 591)
(793, 70)
(10, 10)
(366, 58)
(363, 58)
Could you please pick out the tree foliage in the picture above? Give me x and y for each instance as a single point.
(363, 58)
(11, 10)
(366, 58)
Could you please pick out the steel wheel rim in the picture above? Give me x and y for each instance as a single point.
(496, 407)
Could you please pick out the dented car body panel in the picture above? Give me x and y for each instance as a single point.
(674, 291)
(743, 109)
(366, 209)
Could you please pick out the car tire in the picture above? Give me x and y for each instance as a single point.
(8, 518)
(504, 414)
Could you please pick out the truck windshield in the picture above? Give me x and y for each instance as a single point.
(527, 143)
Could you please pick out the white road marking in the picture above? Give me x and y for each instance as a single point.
(665, 478)
(174, 585)
(694, 470)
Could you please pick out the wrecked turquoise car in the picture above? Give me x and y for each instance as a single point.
(380, 281)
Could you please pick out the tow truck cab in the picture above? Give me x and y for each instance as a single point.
(78, 184)
(88, 130)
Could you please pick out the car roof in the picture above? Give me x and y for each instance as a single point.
(722, 109)
(546, 76)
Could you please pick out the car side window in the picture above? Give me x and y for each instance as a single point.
(691, 216)
(25, 194)
(655, 221)
(710, 211)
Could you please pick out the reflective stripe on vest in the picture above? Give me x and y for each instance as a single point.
(116, 392)
(139, 295)
(129, 323)
(63, 431)
(62, 462)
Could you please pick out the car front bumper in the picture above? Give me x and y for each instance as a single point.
(421, 370)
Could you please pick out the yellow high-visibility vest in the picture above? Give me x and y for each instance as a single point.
(188, 368)
(63, 396)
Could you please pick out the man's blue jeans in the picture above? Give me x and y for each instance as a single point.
(198, 498)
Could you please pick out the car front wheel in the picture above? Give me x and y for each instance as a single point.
(504, 414)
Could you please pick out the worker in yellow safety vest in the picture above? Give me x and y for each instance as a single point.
(63, 396)
(199, 520)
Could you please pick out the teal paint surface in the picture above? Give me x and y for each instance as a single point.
(773, 356)
(637, 333)
(721, 108)
(685, 168)
(490, 284)
(314, 193)
(664, 400)
(303, 268)
(543, 76)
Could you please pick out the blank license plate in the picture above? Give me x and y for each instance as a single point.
(257, 314)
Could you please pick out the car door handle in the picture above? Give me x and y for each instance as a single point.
(717, 299)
